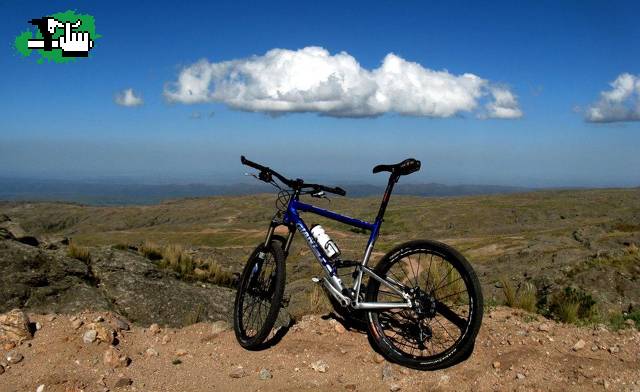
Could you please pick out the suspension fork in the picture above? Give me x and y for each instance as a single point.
(287, 244)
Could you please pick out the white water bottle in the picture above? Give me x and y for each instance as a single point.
(328, 246)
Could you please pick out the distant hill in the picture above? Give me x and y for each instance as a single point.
(105, 193)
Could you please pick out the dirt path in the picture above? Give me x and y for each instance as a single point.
(514, 351)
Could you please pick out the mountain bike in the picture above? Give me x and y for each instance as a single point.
(422, 301)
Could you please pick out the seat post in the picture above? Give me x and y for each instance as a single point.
(393, 178)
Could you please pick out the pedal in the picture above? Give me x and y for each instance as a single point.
(316, 279)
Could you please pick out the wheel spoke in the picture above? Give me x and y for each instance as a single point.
(441, 313)
(450, 315)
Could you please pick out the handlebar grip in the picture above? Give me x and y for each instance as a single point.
(339, 191)
(249, 163)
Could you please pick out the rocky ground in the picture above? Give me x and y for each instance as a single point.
(93, 351)
(44, 279)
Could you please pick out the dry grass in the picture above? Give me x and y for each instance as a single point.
(81, 253)
(527, 298)
(317, 300)
(509, 293)
(568, 312)
(151, 250)
(176, 258)
(524, 297)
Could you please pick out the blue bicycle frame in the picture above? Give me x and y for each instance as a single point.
(332, 281)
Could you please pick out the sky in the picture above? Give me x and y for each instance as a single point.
(541, 93)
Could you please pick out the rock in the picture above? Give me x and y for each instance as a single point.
(40, 388)
(120, 324)
(350, 387)
(123, 382)
(8, 346)
(520, 376)
(594, 347)
(496, 365)
(1, 369)
(154, 328)
(579, 345)
(394, 387)
(630, 322)
(151, 352)
(38, 326)
(77, 323)
(544, 327)
(14, 326)
(444, 379)
(166, 339)
(237, 372)
(265, 374)
(614, 349)
(377, 358)
(387, 372)
(90, 336)
(50, 282)
(104, 332)
(219, 327)
(12, 357)
(319, 366)
(181, 352)
(51, 317)
(114, 359)
(339, 328)
(98, 319)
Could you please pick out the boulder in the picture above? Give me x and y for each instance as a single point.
(47, 281)
(14, 327)
(134, 283)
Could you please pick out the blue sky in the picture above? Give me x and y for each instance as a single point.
(554, 58)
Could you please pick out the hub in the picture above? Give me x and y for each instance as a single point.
(425, 304)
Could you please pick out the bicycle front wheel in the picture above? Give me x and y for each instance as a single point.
(259, 296)
(440, 328)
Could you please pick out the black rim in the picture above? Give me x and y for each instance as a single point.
(442, 309)
(258, 288)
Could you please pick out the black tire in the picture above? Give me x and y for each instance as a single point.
(416, 337)
(259, 296)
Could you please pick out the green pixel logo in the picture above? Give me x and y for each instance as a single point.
(60, 37)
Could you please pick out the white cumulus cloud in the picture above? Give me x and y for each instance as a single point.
(621, 103)
(128, 97)
(313, 80)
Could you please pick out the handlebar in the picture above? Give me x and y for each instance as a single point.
(266, 173)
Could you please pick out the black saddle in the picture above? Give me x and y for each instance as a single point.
(403, 168)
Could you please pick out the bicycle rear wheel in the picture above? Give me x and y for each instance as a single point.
(439, 330)
(259, 296)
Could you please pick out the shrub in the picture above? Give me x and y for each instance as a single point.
(121, 246)
(81, 253)
(527, 297)
(573, 305)
(509, 293)
(524, 297)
